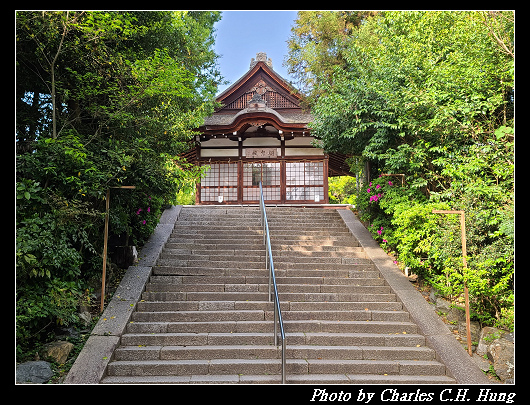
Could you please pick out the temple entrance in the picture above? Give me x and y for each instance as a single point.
(270, 176)
(284, 181)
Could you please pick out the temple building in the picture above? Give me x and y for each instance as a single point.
(260, 134)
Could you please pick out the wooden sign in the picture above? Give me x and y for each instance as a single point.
(261, 153)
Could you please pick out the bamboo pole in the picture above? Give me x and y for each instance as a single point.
(105, 240)
(105, 243)
(464, 258)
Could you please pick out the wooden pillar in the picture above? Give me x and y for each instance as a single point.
(325, 179)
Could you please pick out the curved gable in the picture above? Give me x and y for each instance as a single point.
(260, 79)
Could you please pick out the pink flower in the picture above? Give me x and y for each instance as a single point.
(377, 187)
(381, 228)
(370, 184)
(384, 241)
(148, 209)
(379, 231)
(138, 212)
(143, 222)
(390, 183)
(368, 189)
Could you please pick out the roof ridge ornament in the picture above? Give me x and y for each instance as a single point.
(261, 57)
(257, 101)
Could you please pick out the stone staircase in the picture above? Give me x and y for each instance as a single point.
(205, 317)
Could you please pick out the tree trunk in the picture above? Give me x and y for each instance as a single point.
(54, 106)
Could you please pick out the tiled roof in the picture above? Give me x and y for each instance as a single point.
(288, 118)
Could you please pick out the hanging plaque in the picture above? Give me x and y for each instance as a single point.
(261, 153)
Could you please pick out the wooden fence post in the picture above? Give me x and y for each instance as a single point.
(464, 254)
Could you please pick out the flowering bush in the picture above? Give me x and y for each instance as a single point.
(369, 204)
(401, 219)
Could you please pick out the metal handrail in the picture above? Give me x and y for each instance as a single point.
(269, 265)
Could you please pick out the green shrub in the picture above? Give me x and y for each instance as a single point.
(342, 190)
(401, 220)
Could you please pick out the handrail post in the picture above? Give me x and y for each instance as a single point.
(269, 264)
(275, 327)
(270, 277)
(283, 361)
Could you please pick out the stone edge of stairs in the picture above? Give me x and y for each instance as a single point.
(449, 351)
(91, 364)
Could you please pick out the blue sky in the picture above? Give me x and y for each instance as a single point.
(241, 34)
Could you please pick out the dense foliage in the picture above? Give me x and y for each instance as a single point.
(342, 190)
(104, 99)
(429, 95)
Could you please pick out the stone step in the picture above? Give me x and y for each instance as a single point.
(351, 315)
(259, 254)
(311, 233)
(135, 353)
(265, 280)
(131, 353)
(236, 259)
(337, 327)
(148, 306)
(315, 255)
(334, 269)
(282, 288)
(216, 212)
(314, 248)
(153, 311)
(273, 366)
(256, 243)
(203, 296)
(243, 296)
(198, 316)
(257, 338)
(290, 326)
(346, 271)
(244, 238)
(345, 306)
(276, 379)
(293, 240)
(168, 255)
(221, 244)
(213, 366)
(275, 212)
(279, 225)
(401, 367)
(259, 249)
(194, 227)
(224, 235)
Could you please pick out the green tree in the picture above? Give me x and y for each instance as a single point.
(430, 95)
(103, 99)
(315, 46)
